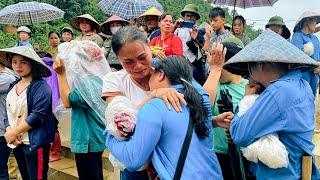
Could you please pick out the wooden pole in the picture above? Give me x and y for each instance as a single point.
(306, 167)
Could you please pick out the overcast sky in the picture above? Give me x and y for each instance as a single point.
(289, 10)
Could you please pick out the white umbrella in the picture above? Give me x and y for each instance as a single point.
(25, 13)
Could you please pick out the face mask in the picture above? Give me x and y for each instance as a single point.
(114, 29)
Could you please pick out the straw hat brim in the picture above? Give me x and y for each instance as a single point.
(269, 47)
(76, 24)
(299, 23)
(242, 68)
(151, 12)
(105, 27)
(4, 54)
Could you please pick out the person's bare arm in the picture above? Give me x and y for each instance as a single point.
(64, 88)
(216, 61)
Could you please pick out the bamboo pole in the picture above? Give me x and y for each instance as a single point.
(306, 167)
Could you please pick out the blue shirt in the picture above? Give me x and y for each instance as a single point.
(23, 44)
(285, 107)
(159, 135)
(299, 39)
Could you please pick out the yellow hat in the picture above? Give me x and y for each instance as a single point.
(151, 12)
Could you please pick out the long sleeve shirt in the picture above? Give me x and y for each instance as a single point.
(286, 107)
(299, 39)
(159, 135)
(6, 79)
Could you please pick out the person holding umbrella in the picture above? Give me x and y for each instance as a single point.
(286, 106)
(305, 40)
(30, 124)
(24, 35)
(89, 27)
(277, 25)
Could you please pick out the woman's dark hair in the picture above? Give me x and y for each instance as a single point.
(125, 35)
(232, 49)
(217, 12)
(178, 70)
(163, 15)
(53, 32)
(240, 18)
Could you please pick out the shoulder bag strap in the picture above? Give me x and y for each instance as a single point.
(184, 151)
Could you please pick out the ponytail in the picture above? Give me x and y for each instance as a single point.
(178, 70)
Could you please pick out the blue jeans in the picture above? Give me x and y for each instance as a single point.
(33, 164)
(4, 155)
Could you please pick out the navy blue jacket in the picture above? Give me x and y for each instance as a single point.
(40, 116)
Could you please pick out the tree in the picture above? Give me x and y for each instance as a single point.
(74, 8)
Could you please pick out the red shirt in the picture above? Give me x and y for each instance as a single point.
(171, 44)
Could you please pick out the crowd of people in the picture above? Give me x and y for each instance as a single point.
(181, 85)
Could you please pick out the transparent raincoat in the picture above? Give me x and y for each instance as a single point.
(86, 66)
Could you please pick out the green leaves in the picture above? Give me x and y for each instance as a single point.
(78, 7)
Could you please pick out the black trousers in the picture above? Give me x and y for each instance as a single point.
(224, 162)
(33, 164)
(89, 165)
(4, 156)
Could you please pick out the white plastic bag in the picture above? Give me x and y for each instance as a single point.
(268, 149)
(120, 110)
(308, 48)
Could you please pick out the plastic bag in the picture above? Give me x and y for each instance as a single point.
(268, 149)
(308, 48)
(120, 113)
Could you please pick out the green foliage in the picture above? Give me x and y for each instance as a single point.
(78, 7)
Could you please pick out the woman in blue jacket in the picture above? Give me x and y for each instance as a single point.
(286, 106)
(30, 125)
(160, 132)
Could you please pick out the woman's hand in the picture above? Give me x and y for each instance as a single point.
(223, 120)
(170, 96)
(10, 136)
(159, 54)
(217, 55)
(58, 66)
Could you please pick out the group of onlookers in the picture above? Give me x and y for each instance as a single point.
(185, 82)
